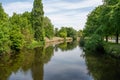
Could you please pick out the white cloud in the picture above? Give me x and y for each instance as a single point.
(61, 12)
(76, 17)
(18, 7)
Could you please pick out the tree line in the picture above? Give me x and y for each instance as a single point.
(103, 23)
(20, 30)
(104, 20)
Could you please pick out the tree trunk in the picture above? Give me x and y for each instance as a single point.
(106, 38)
(117, 38)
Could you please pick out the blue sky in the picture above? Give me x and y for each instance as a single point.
(71, 13)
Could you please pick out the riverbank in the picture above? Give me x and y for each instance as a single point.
(108, 48)
(112, 49)
(48, 42)
(56, 40)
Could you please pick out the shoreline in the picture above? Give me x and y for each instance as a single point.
(56, 40)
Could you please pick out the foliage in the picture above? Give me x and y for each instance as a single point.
(26, 27)
(92, 23)
(4, 31)
(4, 38)
(112, 49)
(94, 44)
(102, 22)
(16, 38)
(37, 20)
(49, 28)
(62, 32)
(80, 33)
(71, 33)
(23, 29)
(115, 19)
(66, 32)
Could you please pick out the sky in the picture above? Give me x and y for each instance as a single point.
(63, 13)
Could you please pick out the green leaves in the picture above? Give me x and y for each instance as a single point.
(94, 44)
(37, 20)
(104, 20)
(4, 38)
(16, 38)
(48, 27)
(62, 32)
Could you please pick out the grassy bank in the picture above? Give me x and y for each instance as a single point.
(94, 45)
(112, 49)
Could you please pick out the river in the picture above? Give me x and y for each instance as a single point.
(66, 61)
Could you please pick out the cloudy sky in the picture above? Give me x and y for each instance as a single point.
(71, 13)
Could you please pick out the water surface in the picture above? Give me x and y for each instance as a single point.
(65, 61)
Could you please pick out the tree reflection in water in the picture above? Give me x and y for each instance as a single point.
(25, 60)
(30, 64)
(66, 46)
(103, 67)
(42, 56)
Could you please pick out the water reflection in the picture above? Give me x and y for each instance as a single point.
(103, 67)
(66, 46)
(59, 62)
(42, 56)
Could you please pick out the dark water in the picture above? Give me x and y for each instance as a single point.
(65, 61)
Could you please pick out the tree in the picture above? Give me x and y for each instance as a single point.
(115, 18)
(105, 21)
(26, 27)
(71, 33)
(49, 28)
(110, 2)
(3, 15)
(4, 31)
(80, 33)
(37, 20)
(62, 32)
(16, 37)
(93, 22)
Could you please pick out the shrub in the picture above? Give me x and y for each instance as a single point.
(94, 44)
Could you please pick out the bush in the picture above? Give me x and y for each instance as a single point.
(112, 49)
(95, 44)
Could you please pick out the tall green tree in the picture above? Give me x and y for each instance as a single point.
(115, 18)
(37, 20)
(93, 22)
(105, 21)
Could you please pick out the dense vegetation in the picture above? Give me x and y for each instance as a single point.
(66, 32)
(28, 29)
(102, 23)
(22, 30)
(37, 20)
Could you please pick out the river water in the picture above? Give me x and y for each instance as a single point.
(66, 61)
